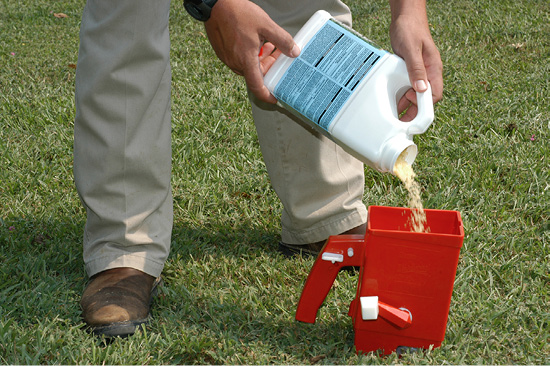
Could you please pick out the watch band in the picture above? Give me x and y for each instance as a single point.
(199, 9)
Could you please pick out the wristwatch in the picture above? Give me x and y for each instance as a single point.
(199, 9)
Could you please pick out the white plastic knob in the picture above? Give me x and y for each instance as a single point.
(332, 257)
(369, 307)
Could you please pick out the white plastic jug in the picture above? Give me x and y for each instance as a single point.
(348, 89)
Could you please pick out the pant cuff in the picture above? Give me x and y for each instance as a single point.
(139, 262)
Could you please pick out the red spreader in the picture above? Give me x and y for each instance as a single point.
(405, 281)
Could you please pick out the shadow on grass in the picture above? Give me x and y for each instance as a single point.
(41, 269)
(232, 297)
(229, 296)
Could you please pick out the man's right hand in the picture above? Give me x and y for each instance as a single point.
(237, 30)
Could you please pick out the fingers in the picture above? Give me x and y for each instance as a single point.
(268, 55)
(279, 41)
(255, 70)
(406, 106)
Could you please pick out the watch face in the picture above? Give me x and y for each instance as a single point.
(198, 9)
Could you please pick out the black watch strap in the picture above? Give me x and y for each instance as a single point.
(199, 9)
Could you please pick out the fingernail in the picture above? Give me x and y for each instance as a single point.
(420, 85)
(295, 52)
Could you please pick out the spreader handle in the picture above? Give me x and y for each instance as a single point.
(339, 251)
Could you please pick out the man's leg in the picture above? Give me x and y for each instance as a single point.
(122, 157)
(320, 185)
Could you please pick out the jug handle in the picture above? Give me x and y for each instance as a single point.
(425, 115)
(339, 251)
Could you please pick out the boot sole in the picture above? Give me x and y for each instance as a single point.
(121, 329)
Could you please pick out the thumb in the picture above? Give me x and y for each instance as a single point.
(417, 73)
(281, 39)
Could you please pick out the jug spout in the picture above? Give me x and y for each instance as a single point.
(395, 147)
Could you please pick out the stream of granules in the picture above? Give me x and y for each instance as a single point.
(405, 172)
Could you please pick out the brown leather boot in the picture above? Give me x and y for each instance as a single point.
(117, 301)
(313, 249)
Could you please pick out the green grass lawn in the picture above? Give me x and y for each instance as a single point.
(229, 297)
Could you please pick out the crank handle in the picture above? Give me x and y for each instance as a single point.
(372, 308)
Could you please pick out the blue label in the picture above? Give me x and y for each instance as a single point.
(320, 81)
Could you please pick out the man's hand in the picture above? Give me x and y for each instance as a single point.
(411, 39)
(244, 38)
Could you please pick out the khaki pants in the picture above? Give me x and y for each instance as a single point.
(122, 156)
